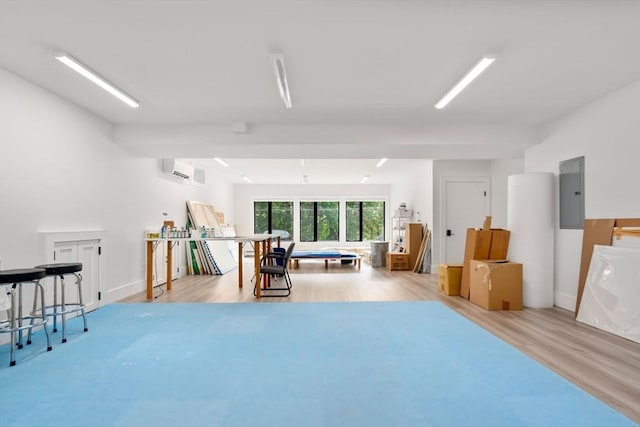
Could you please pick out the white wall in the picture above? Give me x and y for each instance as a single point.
(416, 189)
(607, 133)
(500, 171)
(246, 194)
(61, 171)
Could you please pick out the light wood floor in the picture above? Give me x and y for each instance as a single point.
(600, 363)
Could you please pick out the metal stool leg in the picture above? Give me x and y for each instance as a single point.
(33, 310)
(64, 310)
(80, 301)
(13, 325)
(54, 307)
(44, 315)
(38, 313)
(20, 318)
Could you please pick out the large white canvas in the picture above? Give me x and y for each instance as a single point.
(219, 254)
(223, 259)
(611, 298)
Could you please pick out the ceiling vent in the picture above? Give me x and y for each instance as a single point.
(177, 168)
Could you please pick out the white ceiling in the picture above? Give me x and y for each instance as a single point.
(364, 75)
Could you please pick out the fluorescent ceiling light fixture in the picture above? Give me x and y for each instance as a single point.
(364, 178)
(222, 162)
(381, 162)
(88, 73)
(277, 62)
(246, 178)
(482, 65)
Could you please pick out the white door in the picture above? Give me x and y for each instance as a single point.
(87, 252)
(466, 205)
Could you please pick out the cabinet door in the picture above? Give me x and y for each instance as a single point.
(88, 255)
(65, 252)
(86, 252)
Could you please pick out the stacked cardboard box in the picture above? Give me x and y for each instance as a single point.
(496, 285)
(449, 276)
(483, 244)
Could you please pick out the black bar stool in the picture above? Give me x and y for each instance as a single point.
(55, 310)
(17, 322)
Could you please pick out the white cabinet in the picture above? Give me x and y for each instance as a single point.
(83, 247)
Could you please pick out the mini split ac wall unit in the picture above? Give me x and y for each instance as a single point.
(177, 168)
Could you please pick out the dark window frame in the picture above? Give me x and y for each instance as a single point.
(315, 219)
(270, 215)
(361, 218)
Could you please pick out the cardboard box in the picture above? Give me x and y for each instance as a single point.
(597, 232)
(397, 261)
(496, 285)
(412, 241)
(449, 276)
(485, 244)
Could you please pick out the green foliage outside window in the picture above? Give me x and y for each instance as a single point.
(319, 221)
(371, 215)
(307, 221)
(260, 217)
(274, 218)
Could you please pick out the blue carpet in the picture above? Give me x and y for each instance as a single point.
(324, 364)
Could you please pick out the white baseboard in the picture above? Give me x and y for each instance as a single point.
(116, 294)
(123, 291)
(566, 301)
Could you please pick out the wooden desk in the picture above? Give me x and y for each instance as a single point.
(261, 243)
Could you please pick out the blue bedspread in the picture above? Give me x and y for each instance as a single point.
(323, 254)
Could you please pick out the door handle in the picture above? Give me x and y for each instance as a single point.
(449, 233)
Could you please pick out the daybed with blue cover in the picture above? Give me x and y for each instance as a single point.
(327, 255)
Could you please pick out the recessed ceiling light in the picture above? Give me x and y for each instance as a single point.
(477, 69)
(91, 75)
(277, 62)
(381, 162)
(364, 178)
(222, 162)
(246, 178)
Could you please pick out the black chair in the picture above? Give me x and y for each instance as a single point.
(275, 264)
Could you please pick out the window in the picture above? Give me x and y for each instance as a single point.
(365, 221)
(273, 218)
(319, 221)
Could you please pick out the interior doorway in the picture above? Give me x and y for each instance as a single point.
(466, 201)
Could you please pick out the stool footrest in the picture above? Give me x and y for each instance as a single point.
(56, 310)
